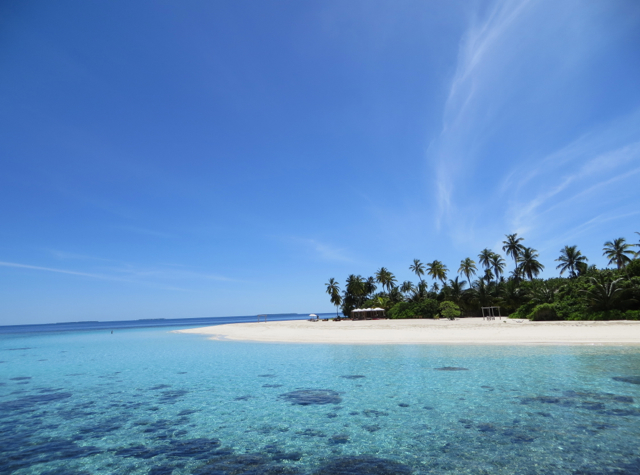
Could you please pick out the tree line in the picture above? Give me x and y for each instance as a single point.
(581, 292)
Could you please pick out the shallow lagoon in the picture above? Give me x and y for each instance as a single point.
(153, 402)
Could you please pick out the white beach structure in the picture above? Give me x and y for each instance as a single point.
(490, 313)
(367, 313)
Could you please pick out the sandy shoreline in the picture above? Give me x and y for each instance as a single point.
(463, 331)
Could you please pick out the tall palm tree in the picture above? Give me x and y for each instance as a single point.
(497, 264)
(332, 286)
(485, 258)
(417, 268)
(334, 292)
(356, 288)
(420, 292)
(482, 293)
(381, 276)
(391, 282)
(370, 286)
(529, 264)
(385, 278)
(618, 252)
(570, 259)
(354, 294)
(437, 270)
(467, 268)
(512, 247)
(455, 289)
(407, 287)
(395, 295)
(488, 275)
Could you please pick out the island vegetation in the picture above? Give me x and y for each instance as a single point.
(580, 292)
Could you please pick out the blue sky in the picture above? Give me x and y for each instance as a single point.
(190, 159)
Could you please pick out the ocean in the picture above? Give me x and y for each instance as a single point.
(77, 399)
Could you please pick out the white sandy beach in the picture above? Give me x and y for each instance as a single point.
(461, 331)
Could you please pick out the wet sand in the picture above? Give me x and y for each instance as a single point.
(462, 331)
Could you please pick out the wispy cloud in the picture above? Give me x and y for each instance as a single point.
(464, 119)
(511, 155)
(167, 273)
(323, 250)
(51, 269)
(65, 255)
(581, 176)
(151, 277)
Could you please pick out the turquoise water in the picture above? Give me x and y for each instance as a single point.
(148, 401)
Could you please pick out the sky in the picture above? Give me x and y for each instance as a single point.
(176, 159)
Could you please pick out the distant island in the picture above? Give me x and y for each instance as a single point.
(581, 292)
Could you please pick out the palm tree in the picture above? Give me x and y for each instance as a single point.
(618, 252)
(391, 282)
(603, 294)
(569, 260)
(406, 287)
(385, 278)
(485, 258)
(498, 265)
(417, 268)
(395, 296)
(467, 268)
(437, 270)
(512, 247)
(354, 294)
(356, 289)
(482, 293)
(334, 292)
(420, 292)
(513, 295)
(370, 286)
(455, 289)
(488, 275)
(529, 264)
(382, 301)
(332, 287)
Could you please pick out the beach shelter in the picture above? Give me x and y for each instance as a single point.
(367, 313)
(490, 313)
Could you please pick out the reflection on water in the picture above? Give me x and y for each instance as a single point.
(151, 402)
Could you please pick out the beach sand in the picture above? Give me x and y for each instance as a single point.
(461, 331)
